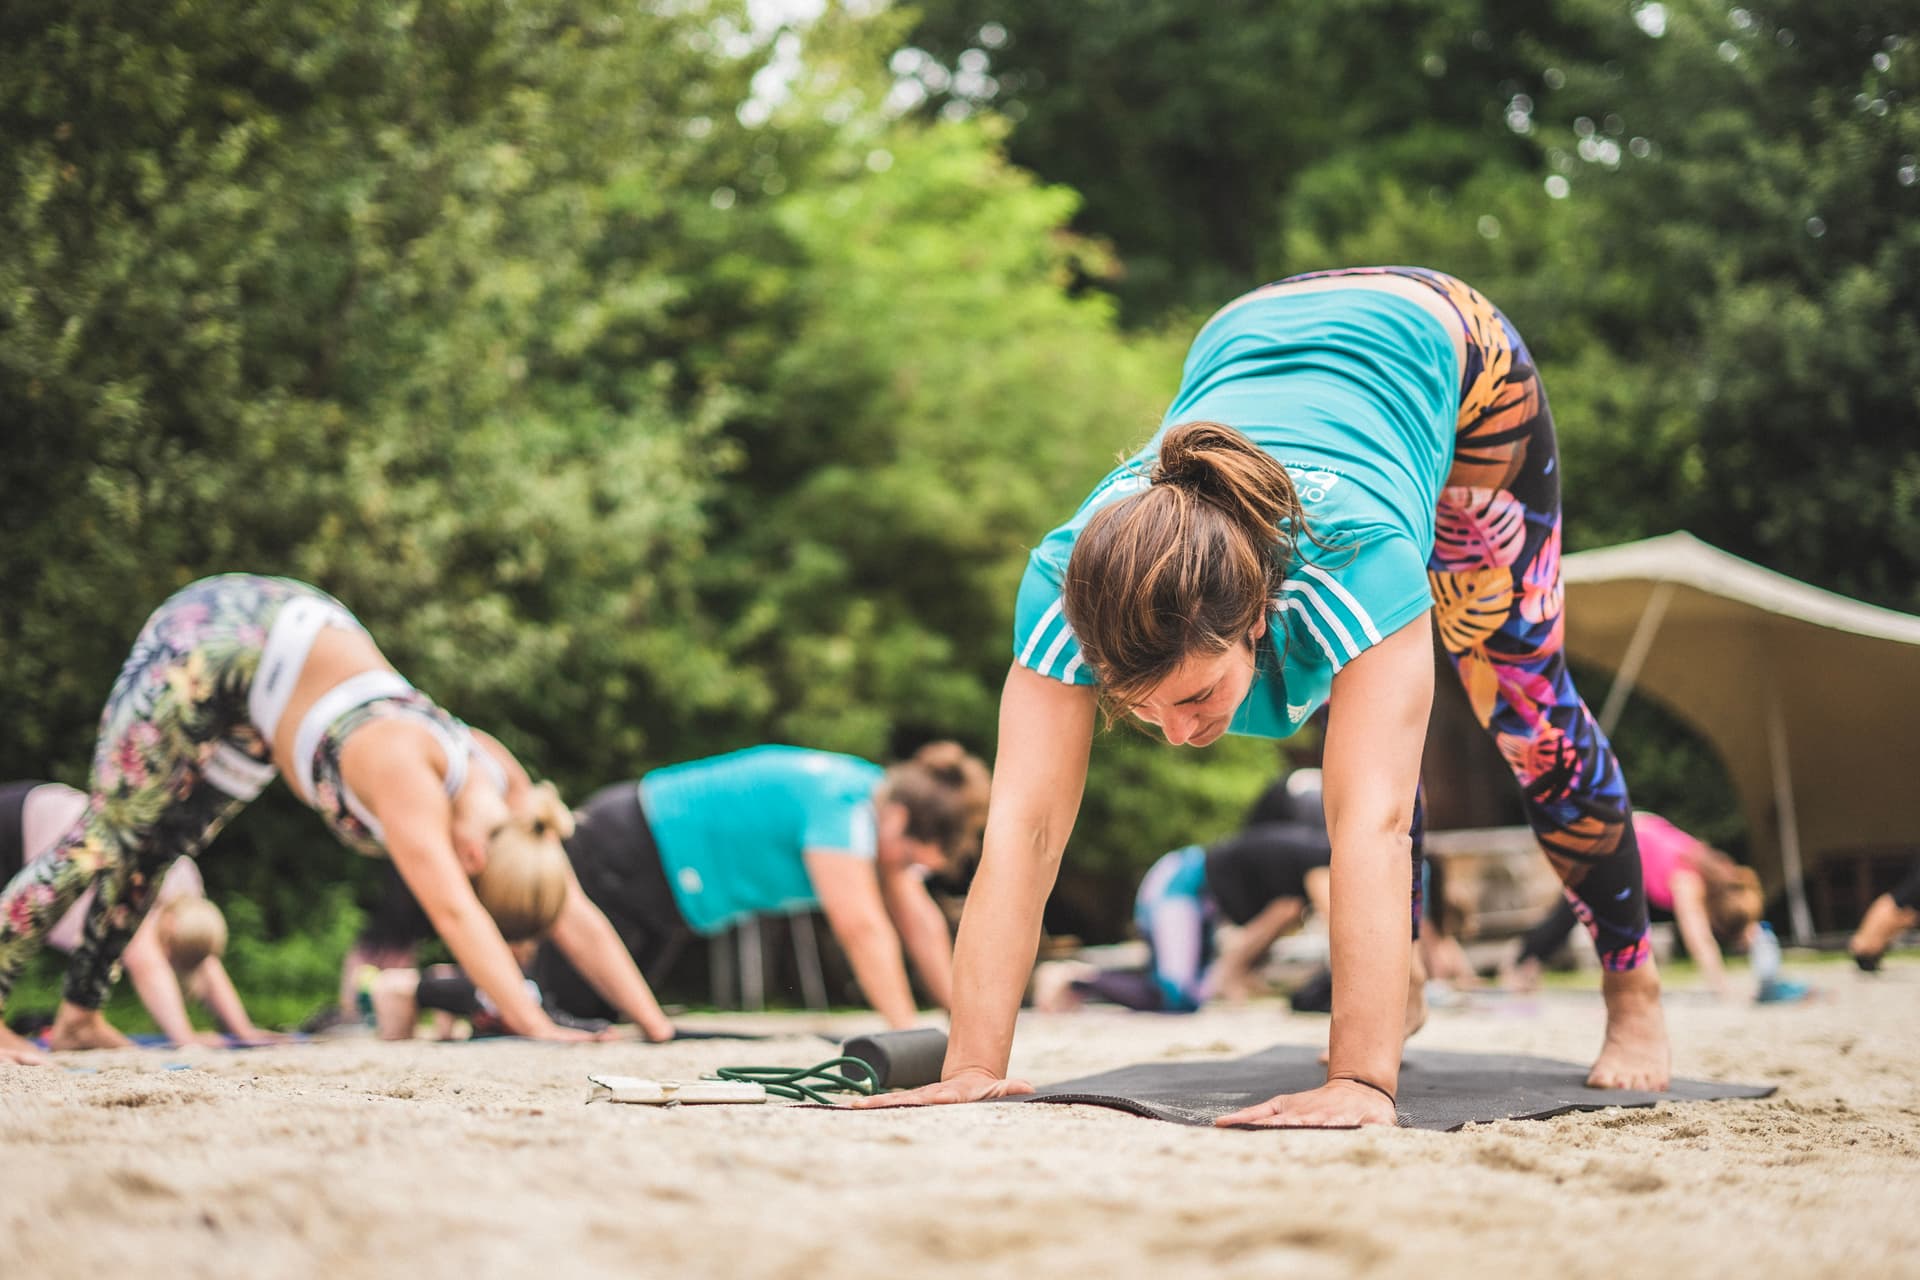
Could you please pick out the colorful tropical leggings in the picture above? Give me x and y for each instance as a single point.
(178, 757)
(1499, 608)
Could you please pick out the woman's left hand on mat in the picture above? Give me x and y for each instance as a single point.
(1337, 1104)
(965, 1086)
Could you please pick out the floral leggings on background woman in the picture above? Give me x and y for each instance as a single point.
(178, 757)
(1500, 610)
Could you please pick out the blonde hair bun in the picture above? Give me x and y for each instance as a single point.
(524, 884)
(193, 930)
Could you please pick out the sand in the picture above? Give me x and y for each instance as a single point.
(351, 1159)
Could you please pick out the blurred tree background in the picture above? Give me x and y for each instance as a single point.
(659, 378)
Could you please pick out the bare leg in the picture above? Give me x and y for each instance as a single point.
(1885, 920)
(395, 1010)
(1636, 1054)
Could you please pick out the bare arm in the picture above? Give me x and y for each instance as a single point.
(923, 930)
(1690, 913)
(392, 773)
(586, 937)
(849, 889)
(153, 977)
(1046, 733)
(212, 987)
(1250, 942)
(1376, 728)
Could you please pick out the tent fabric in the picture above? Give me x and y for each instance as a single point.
(1438, 1090)
(1738, 644)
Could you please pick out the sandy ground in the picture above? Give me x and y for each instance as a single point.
(350, 1159)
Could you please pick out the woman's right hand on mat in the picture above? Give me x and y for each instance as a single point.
(964, 1086)
(20, 1052)
(1337, 1104)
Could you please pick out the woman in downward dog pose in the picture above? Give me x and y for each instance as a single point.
(238, 677)
(1355, 459)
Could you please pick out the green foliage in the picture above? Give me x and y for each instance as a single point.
(1701, 215)
(652, 385)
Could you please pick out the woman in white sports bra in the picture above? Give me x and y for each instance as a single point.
(239, 677)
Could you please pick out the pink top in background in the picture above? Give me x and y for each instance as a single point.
(47, 815)
(1664, 849)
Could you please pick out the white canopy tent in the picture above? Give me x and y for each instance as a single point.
(1811, 699)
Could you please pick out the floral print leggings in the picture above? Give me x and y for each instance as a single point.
(178, 757)
(1500, 611)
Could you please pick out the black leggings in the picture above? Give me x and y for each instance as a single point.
(619, 866)
(1906, 894)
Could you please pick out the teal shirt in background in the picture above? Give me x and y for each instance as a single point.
(1355, 392)
(732, 829)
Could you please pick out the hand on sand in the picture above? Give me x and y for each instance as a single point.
(1337, 1104)
(965, 1086)
(20, 1052)
(253, 1038)
(78, 1028)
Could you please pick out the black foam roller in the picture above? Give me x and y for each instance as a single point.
(901, 1059)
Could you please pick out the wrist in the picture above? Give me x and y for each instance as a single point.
(1367, 1087)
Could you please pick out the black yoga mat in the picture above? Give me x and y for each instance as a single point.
(1438, 1090)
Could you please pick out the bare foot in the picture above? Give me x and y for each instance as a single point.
(78, 1028)
(1053, 984)
(1636, 1054)
(1885, 920)
(1520, 976)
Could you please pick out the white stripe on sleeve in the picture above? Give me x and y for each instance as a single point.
(1053, 650)
(1299, 590)
(1295, 607)
(1039, 629)
(1346, 597)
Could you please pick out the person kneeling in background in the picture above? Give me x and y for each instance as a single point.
(175, 953)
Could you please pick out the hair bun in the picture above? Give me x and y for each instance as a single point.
(549, 811)
(946, 760)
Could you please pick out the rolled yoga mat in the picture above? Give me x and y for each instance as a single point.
(1438, 1090)
(901, 1059)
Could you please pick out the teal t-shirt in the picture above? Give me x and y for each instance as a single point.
(732, 829)
(1355, 392)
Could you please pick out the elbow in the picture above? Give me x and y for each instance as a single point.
(1389, 828)
(864, 934)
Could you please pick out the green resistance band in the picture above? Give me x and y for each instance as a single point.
(817, 1083)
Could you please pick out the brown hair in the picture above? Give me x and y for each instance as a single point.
(191, 930)
(1733, 904)
(1734, 896)
(524, 884)
(1188, 565)
(944, 790)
